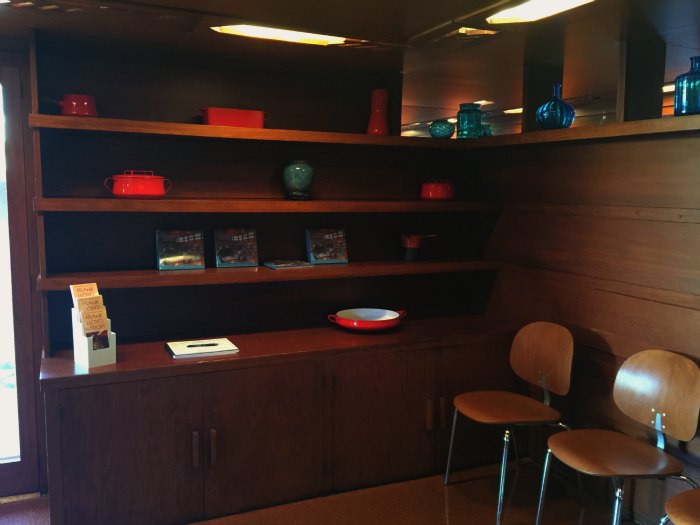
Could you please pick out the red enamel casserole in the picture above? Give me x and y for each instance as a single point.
(134, 184)
(367, 318)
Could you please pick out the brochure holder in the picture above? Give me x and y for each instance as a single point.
(83, 353)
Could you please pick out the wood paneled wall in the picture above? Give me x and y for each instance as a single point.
(604, 237)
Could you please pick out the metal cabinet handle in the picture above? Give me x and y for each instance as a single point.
(429, 414)
(195, 449)
(212, 446)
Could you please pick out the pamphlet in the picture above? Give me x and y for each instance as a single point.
(276, 264)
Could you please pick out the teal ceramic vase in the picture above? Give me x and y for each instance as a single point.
(297, 177)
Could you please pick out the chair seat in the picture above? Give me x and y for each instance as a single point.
(502, 407)
(684, 508)
(612, 454)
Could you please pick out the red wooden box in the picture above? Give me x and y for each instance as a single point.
(245, 118)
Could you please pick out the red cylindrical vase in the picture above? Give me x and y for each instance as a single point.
(378, 117)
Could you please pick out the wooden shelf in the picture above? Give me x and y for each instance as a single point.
(114, 205)
(607, 131)
(259, 274)
(231, 132)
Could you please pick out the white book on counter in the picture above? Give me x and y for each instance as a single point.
(201, 348)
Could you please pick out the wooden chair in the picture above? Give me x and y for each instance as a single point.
(657, 388)
(683, 508)
(541, 354)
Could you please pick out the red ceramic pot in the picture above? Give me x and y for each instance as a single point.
(437, 190)
(78, 105)
(367, 318)
(134, 184)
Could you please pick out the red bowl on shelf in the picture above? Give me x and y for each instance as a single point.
(135, 184)
(437, 190)
(367, 318)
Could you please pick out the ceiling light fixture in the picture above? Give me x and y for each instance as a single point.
(668, 88)
(284, 35)
(514, 111)
(534, 10)
(472, 31)
(484, 102)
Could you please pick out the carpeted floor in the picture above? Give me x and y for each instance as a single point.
(468, 500)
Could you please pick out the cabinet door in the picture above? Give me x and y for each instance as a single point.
(380, 407)
(465, 368)
(265, 435)
(128, 454)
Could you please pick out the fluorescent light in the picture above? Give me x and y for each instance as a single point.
(534, 10)
(514, 111)
(483, 102)
(285, 35)
(452, 120)
(472, 31)
(668, 88)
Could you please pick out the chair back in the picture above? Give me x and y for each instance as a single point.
(541, 354)
(660, 382)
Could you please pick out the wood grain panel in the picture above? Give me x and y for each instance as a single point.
(659, 171)
(613, 323)
(650, 253)
(379, 426)
(269, 425)
(135, 435)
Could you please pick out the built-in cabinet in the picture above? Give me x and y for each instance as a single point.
(149, 441)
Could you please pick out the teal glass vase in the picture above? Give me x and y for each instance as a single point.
(556, 113)
(469, 121)
(687, 95)
(297, 177)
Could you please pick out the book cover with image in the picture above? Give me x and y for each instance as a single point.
(326, 246)
(180, 249)
(235, 247)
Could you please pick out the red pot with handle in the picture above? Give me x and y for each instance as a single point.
(136, 184)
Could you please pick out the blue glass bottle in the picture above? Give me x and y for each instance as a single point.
(687, 97)
(556, 113)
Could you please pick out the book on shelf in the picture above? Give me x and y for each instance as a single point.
(326, 246)
(180, 249)
(277, 264)
(200, 348)
(235, 247)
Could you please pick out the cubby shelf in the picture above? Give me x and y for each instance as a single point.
(113, 205)
(259, 274)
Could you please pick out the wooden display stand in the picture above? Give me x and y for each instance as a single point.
(83, 353)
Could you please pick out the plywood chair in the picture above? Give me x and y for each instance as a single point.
(541, 354)
(683, 508)
(657, 388)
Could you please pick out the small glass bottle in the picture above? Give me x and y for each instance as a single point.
(687, 96)
(468, 121)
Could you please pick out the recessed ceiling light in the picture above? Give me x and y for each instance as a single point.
(534, 10)
(284, 35)
(483, 102)
(514, 111)
(453, 120)
(22, 4)
(48, 7)
(668, 88)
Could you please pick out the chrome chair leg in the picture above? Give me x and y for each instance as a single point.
(664, 519)
(449, 453)
(618, 487)
(502, 483)
(543, 488)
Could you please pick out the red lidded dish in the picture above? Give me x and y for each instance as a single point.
(136, 184)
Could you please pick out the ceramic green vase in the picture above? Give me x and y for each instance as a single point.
(297, 177)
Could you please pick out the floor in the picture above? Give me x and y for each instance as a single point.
(470, 499)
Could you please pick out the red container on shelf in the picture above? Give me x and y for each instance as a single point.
(244, 118)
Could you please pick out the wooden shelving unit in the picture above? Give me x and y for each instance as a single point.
(259, 274)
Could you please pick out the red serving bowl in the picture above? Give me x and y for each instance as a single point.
(134, 184)
(437, 190)
(367, 318)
